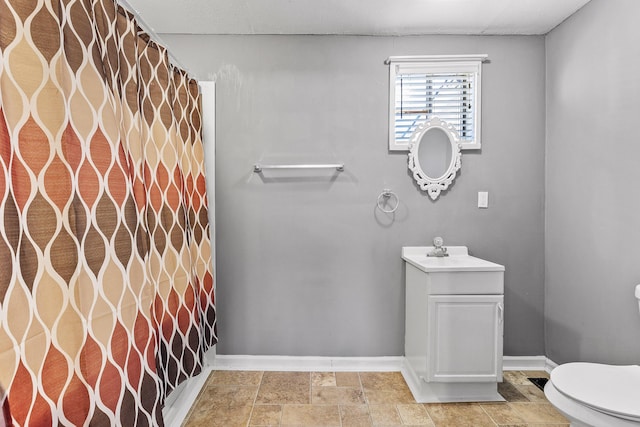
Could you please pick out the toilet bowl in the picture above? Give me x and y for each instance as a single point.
(596, 395)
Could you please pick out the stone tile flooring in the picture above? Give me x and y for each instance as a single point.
(350, 399)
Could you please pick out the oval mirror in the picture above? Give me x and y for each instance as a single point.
(434, 156)
(434, 153)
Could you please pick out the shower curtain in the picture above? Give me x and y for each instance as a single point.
(106, 287)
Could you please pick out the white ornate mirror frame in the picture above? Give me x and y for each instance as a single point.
(434, 185)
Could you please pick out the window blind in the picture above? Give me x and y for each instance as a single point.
(419, 96)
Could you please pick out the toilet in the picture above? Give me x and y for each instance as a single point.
(596, 395)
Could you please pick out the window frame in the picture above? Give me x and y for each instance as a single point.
(425, 64)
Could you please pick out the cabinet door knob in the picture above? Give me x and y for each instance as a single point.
(500, 313)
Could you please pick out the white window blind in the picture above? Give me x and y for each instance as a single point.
(422, 87)
(448, 96)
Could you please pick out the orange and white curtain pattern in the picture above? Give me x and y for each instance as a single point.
(106, 286)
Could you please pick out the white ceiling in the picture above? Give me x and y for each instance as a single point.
(367, 17)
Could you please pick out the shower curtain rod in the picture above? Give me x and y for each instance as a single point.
(154, 36)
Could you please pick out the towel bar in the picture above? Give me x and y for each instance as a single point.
(257, 168)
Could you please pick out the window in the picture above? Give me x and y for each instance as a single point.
(421, 87)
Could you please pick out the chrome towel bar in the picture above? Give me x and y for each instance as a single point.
(257, 168)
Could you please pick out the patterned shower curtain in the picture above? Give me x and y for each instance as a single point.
(106, 287)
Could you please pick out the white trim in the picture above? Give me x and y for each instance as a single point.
(226, 362)
(307, 363)
(523, 363)
(528, 363)
(429, 64)
(550, 366)
(208, 97)
(482, 57)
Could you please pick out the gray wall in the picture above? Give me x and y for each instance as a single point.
(306, 265)
(593, 185)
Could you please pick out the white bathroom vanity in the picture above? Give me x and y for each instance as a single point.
(453, 326)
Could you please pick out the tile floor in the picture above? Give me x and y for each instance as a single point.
(346, 399)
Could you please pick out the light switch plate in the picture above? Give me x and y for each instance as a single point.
(483, 199)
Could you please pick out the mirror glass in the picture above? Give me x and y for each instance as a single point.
(434, 153)
(434, 156)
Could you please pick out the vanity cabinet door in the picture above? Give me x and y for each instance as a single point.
(465, 338)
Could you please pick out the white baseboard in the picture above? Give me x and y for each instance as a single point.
(307, 363)
(550, 366)
(319, 364)
(528, 363)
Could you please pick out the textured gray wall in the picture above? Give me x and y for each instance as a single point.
(593, 185)
(306, 264)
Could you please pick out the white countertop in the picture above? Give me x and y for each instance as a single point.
(458, 260)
